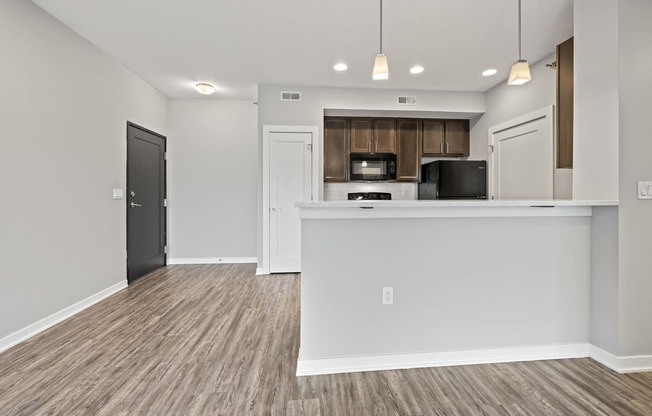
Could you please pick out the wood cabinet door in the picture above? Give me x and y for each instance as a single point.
(457, 138)
(408, 150)
(434, 133)
(336, 149)
(361, 134)
(384, 136)
(565, 103)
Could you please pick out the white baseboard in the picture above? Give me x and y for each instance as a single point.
(45, 323)
(626, 364)
(214, 260)
(261, 272)
(439, 359)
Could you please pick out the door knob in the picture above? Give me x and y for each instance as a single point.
(133, 205)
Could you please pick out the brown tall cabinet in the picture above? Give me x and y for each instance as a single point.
(336, 149)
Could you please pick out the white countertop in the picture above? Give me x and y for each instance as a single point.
(448, 209)
(455, 203)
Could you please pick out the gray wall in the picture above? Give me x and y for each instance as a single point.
(635, 164)
(213, 148)
(595, 142)
(505, 102)
(459, 284)
(605, 293)
(64, 107)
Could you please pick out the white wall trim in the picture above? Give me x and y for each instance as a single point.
(213, 260)
(622, 365)
(263, 264)
(439, 359)
(57, 317)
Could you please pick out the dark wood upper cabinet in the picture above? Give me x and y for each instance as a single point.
(361, 135)
(384, 135)
(457, 138)
(408, 150)
(336, 149)
(565, 99)
(434, 137)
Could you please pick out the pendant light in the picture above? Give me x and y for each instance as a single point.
(520, 70)
(381, 70)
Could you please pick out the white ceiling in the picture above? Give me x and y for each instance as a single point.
(238, 44)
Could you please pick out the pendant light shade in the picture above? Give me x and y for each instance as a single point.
(381, 70)
(520, 73)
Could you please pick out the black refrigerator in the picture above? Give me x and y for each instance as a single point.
(454, 179)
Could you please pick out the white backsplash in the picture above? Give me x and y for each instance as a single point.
(336, 191)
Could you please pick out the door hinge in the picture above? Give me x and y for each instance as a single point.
(310, 147)
(165, 202)
(165, 249)
(165, 155)
(491, 148)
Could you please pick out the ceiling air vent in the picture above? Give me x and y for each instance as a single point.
(290, 96)
(407, 100)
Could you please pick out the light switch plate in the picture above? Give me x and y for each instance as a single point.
(644, 189)
(118, 193)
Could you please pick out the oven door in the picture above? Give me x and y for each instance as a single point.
(375, 167)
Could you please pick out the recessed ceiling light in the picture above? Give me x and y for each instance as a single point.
(340, 67)
(205, 88)
(417, 69)
(489, 72)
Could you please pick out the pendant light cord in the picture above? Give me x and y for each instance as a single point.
(519, 29)
(381, 26)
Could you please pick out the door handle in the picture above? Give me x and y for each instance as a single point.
(134, 205)
(274, 209)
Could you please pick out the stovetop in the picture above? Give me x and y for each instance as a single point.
(370, 196)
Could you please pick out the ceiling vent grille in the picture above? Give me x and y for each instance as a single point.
(290, 96)
(407, 100)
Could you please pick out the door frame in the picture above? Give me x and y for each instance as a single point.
(165, 191)
(547, 113)
(263, 263)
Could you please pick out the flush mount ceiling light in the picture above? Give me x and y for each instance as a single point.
(489, 72)
(417, 69)
(520, 73)
(205, 88)
(381, 69)
(340, 67)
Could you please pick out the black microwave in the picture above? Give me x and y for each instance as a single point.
(373, 167)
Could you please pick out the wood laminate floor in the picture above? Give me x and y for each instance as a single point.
(217, 340)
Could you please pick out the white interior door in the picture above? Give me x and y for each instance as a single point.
(290, 181)
(523, 158)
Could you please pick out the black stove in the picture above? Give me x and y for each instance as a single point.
(370, 196)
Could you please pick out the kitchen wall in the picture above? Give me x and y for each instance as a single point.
(505, 102)
(595, 158)
(635, 85)
(64, 107)
(382, 102)
(212, 186)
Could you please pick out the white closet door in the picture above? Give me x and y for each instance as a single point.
(522, 162)
(290, 181)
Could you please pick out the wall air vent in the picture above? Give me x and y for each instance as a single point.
(407, 100)
(290, 96)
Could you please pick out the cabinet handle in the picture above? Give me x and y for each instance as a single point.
(441, 148)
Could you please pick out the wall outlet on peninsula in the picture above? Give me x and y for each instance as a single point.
(388, 296)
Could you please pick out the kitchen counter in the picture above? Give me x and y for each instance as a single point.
(447, 208)
(473, 281)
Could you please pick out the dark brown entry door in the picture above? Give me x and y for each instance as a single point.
(145, 201)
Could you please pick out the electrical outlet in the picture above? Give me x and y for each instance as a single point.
(388, 296)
